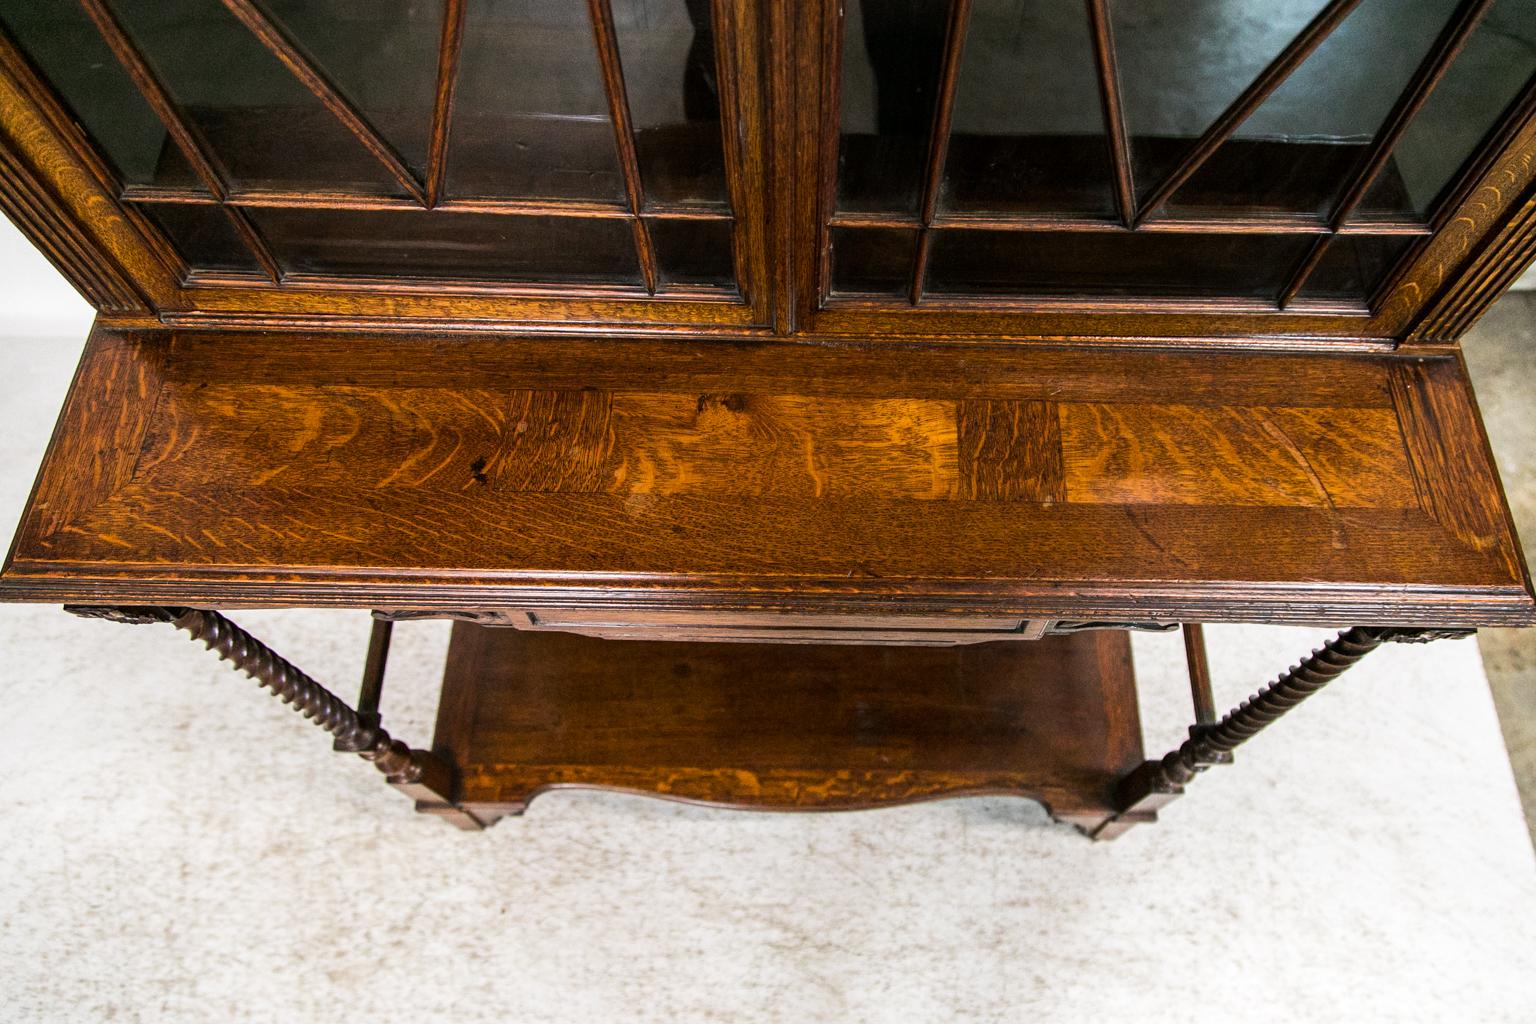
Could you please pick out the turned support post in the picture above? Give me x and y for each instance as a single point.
(416, 772)
(1154, 784)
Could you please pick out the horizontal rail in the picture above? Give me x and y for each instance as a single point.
(302, 200)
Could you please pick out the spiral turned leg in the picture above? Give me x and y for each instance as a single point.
(416, 772)
(1155, 783)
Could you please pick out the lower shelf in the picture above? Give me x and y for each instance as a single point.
(788, 726)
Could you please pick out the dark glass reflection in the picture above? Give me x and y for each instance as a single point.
(1299, 149)
(892, 54)
(265, 127)
(872, 261)
(1353, 267)
(531, 117)
(381, 54)
(484, 247)
(1106, 264)
(668, 54)
(203, 235)
(1465, 107)
(73, 58)
(1027, 130)
(1182, 62)
(693, 252)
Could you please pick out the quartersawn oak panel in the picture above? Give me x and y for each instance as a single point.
(792, 446)
(1187, 455)
(1010, 450)
(781, 445)
(100, 429)
(567, 441)
(277, 435)
(1435, 406)
(330, 482)
(552, 441)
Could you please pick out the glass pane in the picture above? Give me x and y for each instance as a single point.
(1076, 264)
(262, 124)
(1467, 104)
(486, 247)
(693, 251)
(1182, 62)
(530, 117)
(71, 55)
(1354, 266)
(203, 235)
(1027, 129)
(667, 48)
(382, 54)
(872, 260)
(892, 54)
(1297, 151)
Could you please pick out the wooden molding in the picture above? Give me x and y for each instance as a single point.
(1499, 262)
(41, 217)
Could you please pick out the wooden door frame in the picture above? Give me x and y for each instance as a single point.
(67, 199)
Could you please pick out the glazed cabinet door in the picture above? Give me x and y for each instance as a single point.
(486, 154)
(1150, 166)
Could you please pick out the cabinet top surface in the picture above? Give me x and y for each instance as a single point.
(458, 471)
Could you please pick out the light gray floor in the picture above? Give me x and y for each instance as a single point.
(1501, 355)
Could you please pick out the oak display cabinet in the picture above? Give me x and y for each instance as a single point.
(795, 403)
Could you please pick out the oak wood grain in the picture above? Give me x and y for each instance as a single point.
(1447, 263)
(1441, 423)
(924, 368)
(785, 446)
(64, 242)
(696, 545)
(554, 441)
(100, 429)
(1010, 450)
(351, 437)
(1485, 277)
(40, 132)
(1159, 454)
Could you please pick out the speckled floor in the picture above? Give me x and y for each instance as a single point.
(1501, 355)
